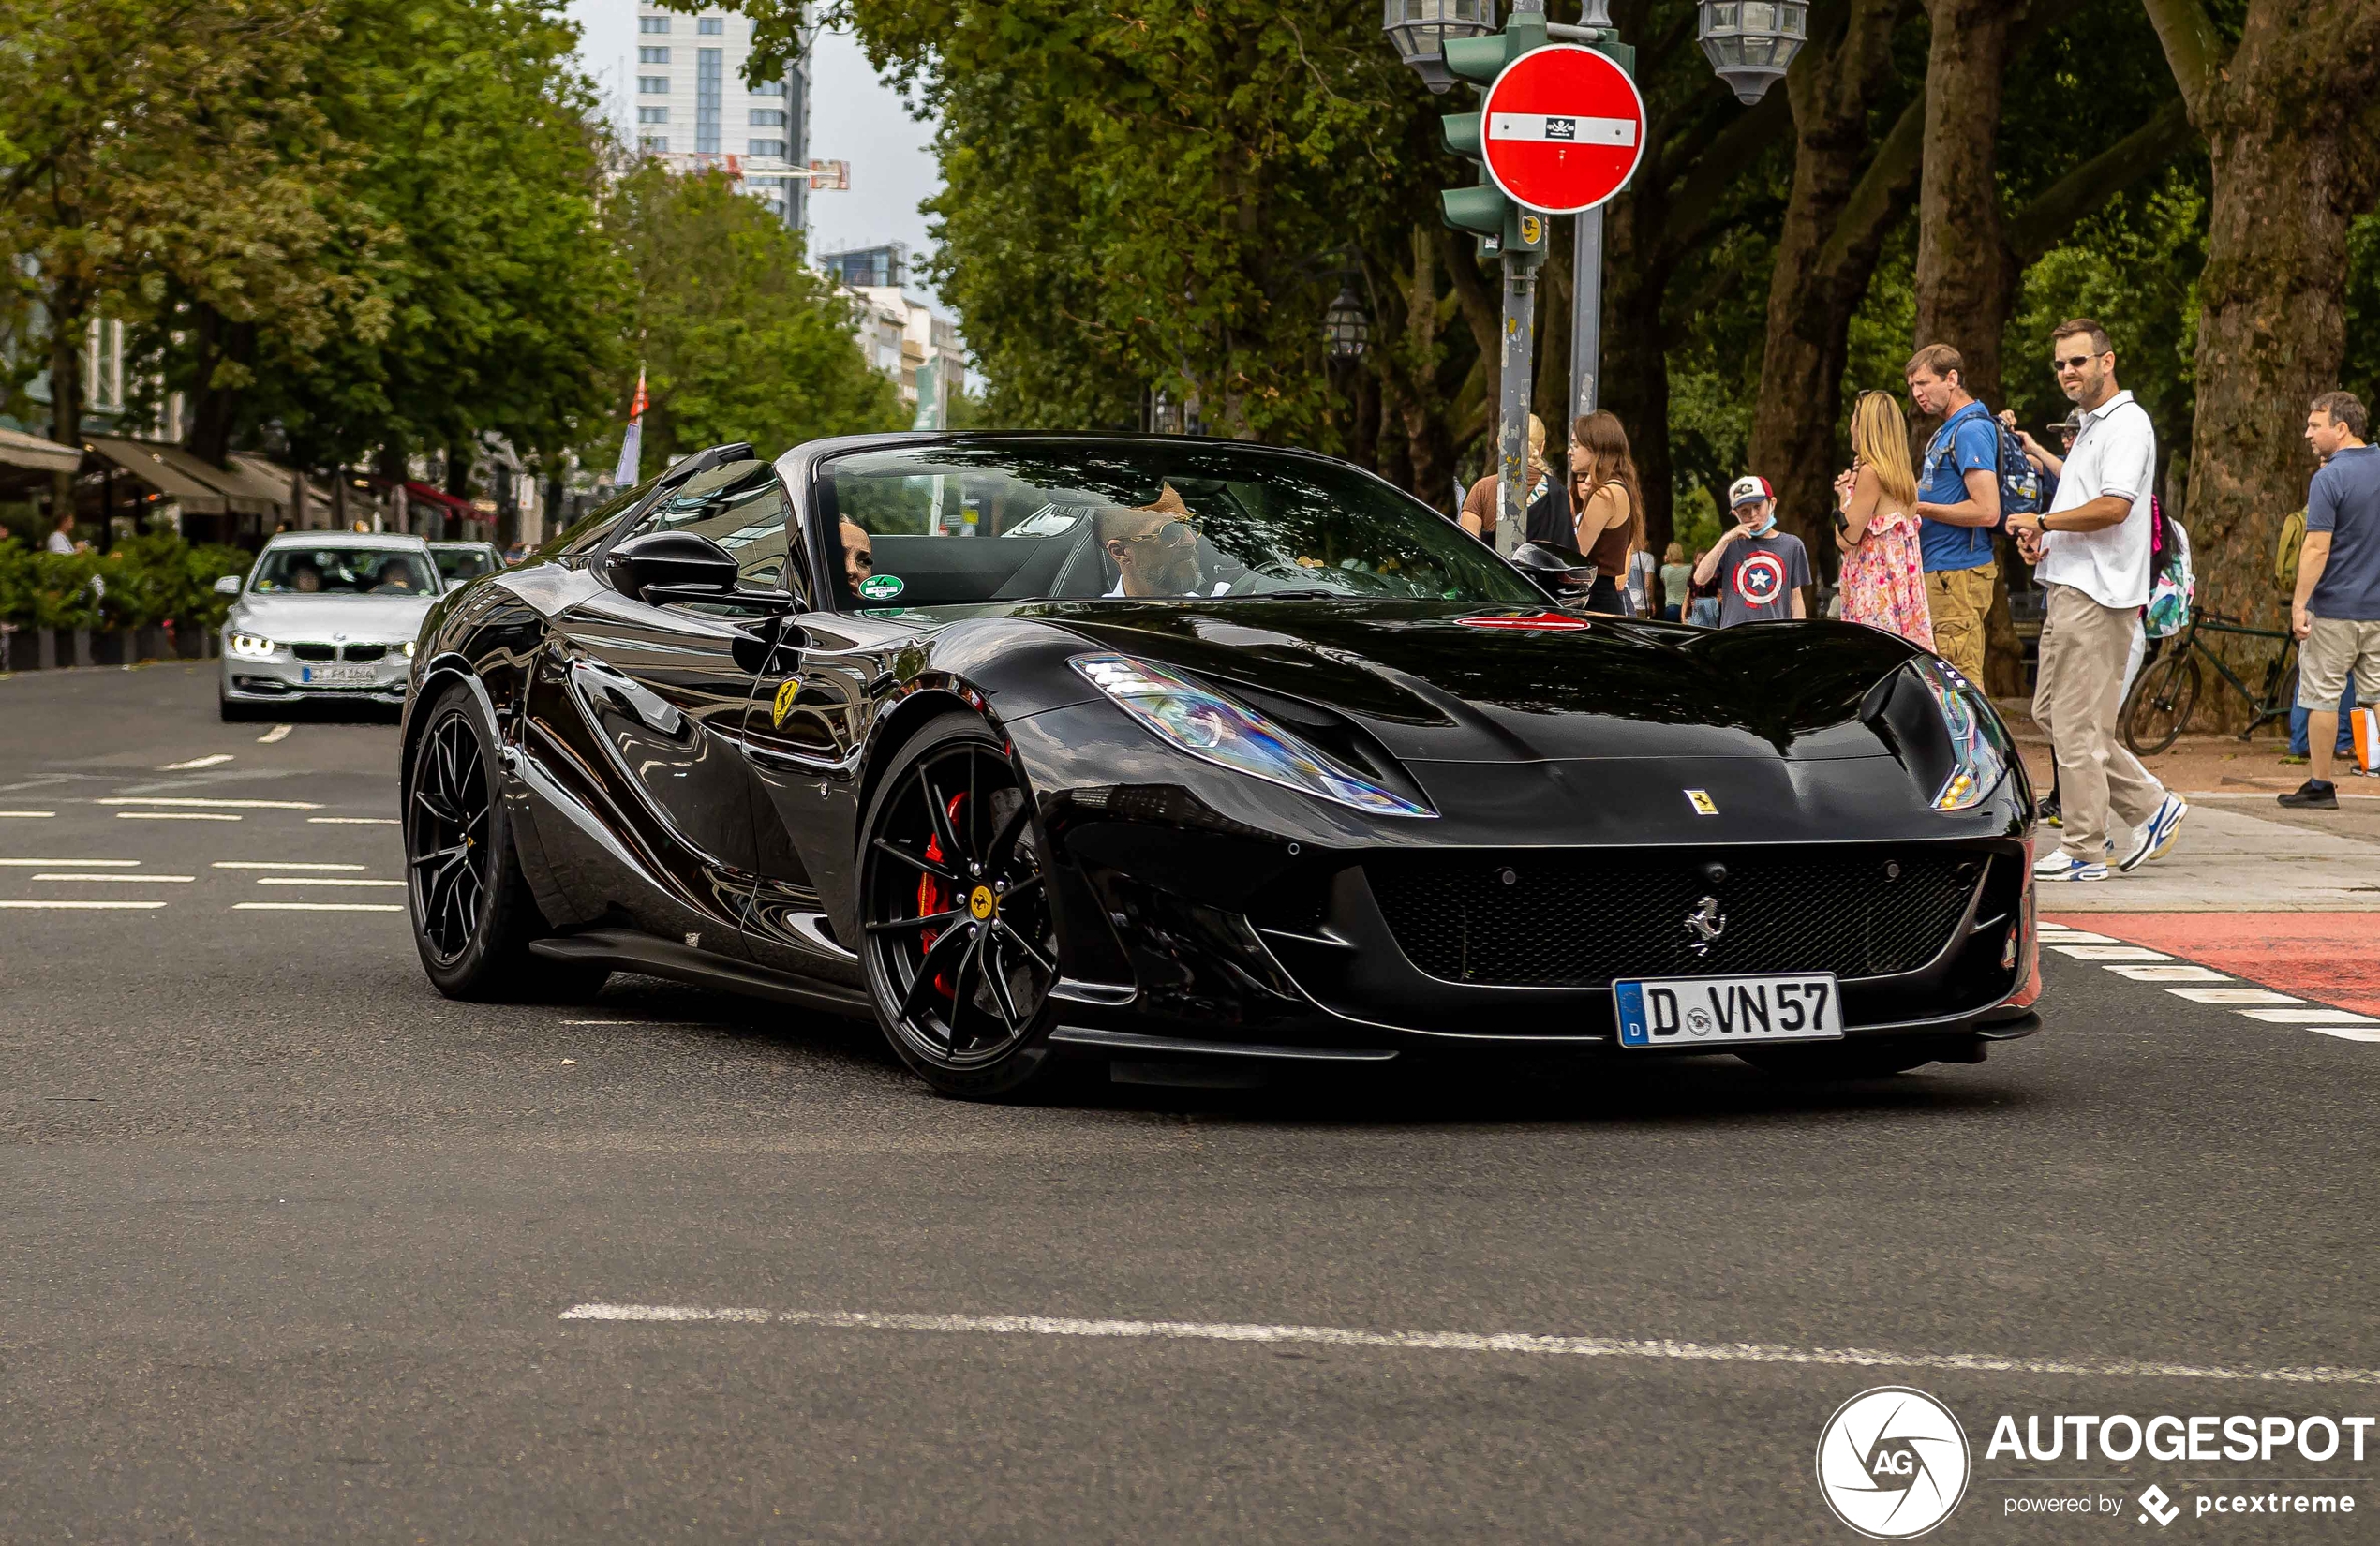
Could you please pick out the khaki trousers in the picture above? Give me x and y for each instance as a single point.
(1958, 600)
(2080, 689)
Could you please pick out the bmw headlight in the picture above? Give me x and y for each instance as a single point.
(1213, 728)
(1979, 748)
(252, 646)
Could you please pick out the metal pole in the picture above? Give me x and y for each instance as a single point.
(1586, 313)
(1512, 417)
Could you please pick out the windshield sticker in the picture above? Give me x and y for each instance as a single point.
(880, 587)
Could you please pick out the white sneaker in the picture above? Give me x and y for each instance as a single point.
(2156, 835)
(2073, 869)
(2054, 862)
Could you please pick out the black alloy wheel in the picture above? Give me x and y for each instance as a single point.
(473, 915)
(961, 949)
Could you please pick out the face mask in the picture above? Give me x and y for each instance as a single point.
(1766, 526)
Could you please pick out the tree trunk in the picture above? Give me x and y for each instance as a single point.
(1836, 219)
(1966, 281)
(226, 355)
(69, 323)
(389, 466)
(2286, 116)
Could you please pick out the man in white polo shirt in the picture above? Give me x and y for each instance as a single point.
(2091, 550)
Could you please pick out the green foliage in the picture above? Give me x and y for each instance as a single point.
(144, 582)
(741, 340)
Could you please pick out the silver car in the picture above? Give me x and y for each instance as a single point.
(459, 563)
(325, 615)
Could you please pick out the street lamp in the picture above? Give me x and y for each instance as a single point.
(1420, 30)
(1347, 332)
(1750, 42)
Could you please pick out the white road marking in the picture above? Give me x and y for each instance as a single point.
(276, 864)
(2076, 936)
(319, 880)
(217, 760)
(2232, 995)
(1468, 1342)
(175, 816)
(318, 907)
(212, 805)
(2108, 952)
(351, 821)
(2049, 928)
(2169, 973)
(33, 814)
(86, 864)
(80, 906)
(2309, 1016)
(144, 878)
(279, 733)
(2347, 1032)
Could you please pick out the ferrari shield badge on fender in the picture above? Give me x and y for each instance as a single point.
(786, 692)
(1699, 798)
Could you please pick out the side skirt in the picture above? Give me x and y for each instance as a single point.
(626, 950)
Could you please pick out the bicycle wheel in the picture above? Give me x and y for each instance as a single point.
(2160, 705)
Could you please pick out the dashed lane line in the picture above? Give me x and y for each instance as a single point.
(279, 733)
(319, 880)
(177, 816)
(2210, 987)
(277, 863)
(212, 805)
(144, 878)
(351, 821)
(2309, 1016)
(1658, 1349)
(318, 907)
(2108, 952)
(217, 760)
(79, 906)
(76, 864)
(2169, 973)
(30, 815)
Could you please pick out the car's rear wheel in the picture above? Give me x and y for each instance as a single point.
(960, 947)
(1843, 1061)
(473, 913)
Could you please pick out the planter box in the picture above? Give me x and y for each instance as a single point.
(52, 648)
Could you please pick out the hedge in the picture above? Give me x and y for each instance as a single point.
(144, 581)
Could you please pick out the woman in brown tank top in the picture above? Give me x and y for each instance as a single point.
(1606, 504)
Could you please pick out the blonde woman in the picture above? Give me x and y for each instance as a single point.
(1607, 508)
(1876, 526)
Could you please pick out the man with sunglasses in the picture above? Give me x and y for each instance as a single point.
(1153, 547)
(2091, 550)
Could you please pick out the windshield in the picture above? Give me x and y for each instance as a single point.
(333, 571)
(457, 564)
(1030, 520)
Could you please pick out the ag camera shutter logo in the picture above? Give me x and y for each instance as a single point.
(1893, 1463)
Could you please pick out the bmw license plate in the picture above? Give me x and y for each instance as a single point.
(337, 676)
(1728, 1011)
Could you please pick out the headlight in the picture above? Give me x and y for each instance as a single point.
(409, 650)
(1213, 728)
(253, 646)
(1979, 749)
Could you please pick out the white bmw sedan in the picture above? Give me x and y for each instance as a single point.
(324, 615)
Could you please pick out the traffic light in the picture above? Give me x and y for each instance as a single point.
(1501, 225)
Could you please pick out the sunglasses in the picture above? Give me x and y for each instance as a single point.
(1172, 534)
(2076, 364)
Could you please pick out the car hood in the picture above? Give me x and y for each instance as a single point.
(375, 617)
(1431, 686)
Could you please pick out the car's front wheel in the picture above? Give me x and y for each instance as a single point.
(473, 913)
(961, 948)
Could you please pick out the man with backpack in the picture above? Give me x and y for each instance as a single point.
(1959, 505)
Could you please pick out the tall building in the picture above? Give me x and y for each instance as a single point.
(675, 87)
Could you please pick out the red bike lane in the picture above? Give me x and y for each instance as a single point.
(2325, 957)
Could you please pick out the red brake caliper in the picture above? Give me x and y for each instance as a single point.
(929, 898)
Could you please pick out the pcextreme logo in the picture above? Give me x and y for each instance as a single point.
(1892, 1463)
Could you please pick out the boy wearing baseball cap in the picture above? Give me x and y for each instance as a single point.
(1761, 569)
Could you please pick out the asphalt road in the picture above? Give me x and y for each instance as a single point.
(289, 1241)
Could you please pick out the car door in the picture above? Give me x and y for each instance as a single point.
(663, 691)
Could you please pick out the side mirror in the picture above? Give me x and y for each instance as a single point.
(683, 561)
(227, 585)
(1563, 572)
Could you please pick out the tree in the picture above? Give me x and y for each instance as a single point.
(740, 341)
(2287, 107)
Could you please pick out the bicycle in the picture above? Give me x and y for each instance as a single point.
(2160, 706)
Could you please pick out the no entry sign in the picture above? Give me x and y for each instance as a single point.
(1563, 128)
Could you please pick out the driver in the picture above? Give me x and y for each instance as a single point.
(1154, 547)
(859, 558)
(304, 576)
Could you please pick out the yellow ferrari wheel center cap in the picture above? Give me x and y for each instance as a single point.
(981, 902)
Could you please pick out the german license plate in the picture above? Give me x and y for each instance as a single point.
(337, 675)
(1728, 1011)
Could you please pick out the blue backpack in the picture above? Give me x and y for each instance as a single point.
(2019, 480)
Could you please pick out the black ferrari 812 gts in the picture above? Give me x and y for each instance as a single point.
(1179, 752)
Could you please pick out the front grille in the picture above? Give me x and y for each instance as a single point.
(363, 652)
(1581, 919)
(315, 652)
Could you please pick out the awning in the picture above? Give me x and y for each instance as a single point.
(169, 469)
(267, 473)
(457, 509)
(36, 455)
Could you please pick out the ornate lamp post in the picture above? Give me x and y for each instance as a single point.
(1347, 332)
(1750, 42)
(1419, 29)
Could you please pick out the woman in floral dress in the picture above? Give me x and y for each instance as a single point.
(1883, 579)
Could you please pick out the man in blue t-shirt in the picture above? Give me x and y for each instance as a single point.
(1958, 507)
(2337, 609)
